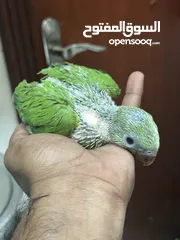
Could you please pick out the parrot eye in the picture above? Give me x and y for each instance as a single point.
(129, 141)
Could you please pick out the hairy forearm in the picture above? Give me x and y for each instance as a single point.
(76, 209)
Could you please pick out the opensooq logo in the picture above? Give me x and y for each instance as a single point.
(127, 30)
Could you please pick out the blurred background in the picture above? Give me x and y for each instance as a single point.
(8, 117)
(35, 34)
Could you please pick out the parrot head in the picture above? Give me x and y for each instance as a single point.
(135, 130)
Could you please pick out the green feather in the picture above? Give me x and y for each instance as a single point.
(46, 108)
(76, 101)
(74, 74)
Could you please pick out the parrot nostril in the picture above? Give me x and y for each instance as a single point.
(148, 152)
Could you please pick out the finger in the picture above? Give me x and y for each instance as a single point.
(19, 133)
(134, 89)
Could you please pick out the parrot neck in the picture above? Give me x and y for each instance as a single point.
(94, 127)
(115, 129)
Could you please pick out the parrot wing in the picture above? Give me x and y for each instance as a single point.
(74, 74)
(45, 108)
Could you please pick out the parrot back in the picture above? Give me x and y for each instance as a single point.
(45, 108)
(75, 74)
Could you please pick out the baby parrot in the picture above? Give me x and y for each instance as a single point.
(76, 102)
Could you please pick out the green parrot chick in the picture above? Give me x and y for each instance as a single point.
(76, 102)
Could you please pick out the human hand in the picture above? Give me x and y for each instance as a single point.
(47, 163)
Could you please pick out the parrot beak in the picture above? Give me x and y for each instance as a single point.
(146, 160)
